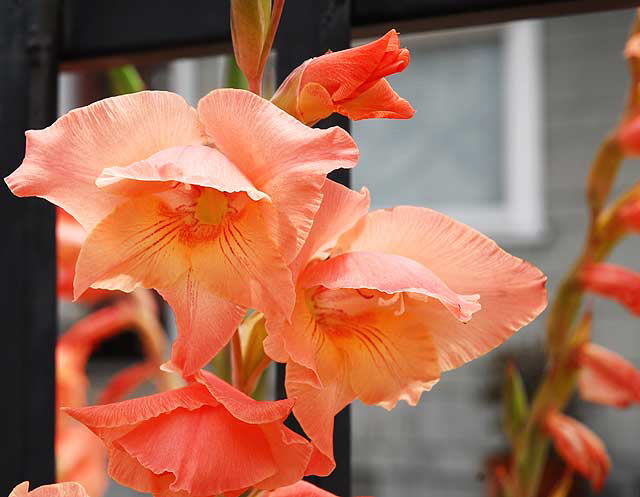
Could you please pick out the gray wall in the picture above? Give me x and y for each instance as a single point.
(439, 448)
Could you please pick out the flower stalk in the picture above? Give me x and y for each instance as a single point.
(566, 330)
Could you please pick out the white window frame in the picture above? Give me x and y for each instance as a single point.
(521, 217)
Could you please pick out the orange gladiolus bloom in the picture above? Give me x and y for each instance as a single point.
(203, 439)
(613, 281)
(350, 82)
(67, 489)
(300, 489)
(206, 206)
(579, 447)
(606, 377)
(405, 295)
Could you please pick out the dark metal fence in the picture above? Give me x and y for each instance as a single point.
(37, 38)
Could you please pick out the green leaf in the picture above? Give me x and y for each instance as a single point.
(125, 79)
(235, 77)
(516, 405)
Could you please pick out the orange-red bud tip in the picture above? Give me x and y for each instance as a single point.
(579, 447)
(606, 377)
(613, 281)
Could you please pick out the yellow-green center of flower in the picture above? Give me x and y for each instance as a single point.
(211, 207)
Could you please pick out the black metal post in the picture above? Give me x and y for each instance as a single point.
(28, 56)
(308, 29)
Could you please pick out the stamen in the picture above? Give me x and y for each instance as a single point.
(386, 302)
(400, 311)
(364, 295)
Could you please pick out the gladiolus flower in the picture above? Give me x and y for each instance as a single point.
(579, 447)
(239, 442)
(405, 295)
(206, 206)
(66, 489)
(606, 377)
(613, 281)
(300, 489)
(350, 82)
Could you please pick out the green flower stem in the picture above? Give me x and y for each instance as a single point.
(559, 383)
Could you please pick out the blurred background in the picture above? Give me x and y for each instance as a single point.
(507, 120)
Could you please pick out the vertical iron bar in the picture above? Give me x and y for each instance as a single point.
(28, 93)
(308, 29)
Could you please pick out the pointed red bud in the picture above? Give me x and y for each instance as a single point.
(579, 447)
(606, 377)
(613, 281)
(350, 82)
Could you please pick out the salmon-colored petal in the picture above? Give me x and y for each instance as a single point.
(137, 244)
(206, 274)
(386, 351)
(229, 454)
(300, 489)
(205, 321)
(390, 274)
(314, 102)
(63, 161)
(606, 377)
(379, 101)
(292, 453)
(193, 165)
(341, 208)
(297, 339)
(244, 266)
(66, 489)
(315, 409)
(242, 406)
(389, 358)
(297, 200)
(264, 142)
(269, 146)
(511, 290)
(127, 471)
(128, 413)
(20, 490)
(239, 442)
